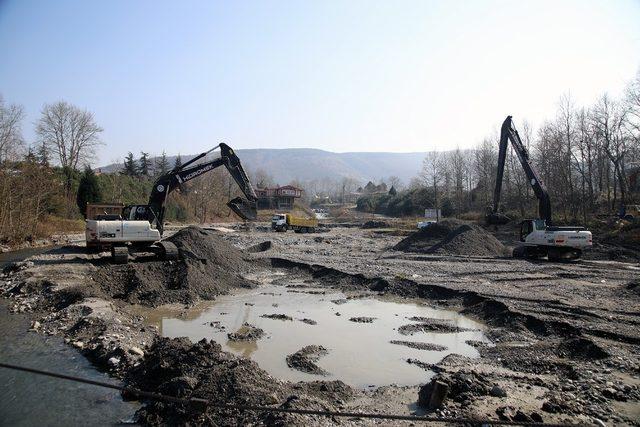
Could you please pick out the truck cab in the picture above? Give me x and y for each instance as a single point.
(279, 222)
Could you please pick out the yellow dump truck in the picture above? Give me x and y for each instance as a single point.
(284, 222)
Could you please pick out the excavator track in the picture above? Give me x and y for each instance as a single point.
(120, 254)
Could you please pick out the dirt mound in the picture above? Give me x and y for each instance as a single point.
(304, 359)
(430, 325)
(375, 224)
(420, 345)
(208, 267)
(179, 368)
(362, 319)
(247, 332)
(453, 237)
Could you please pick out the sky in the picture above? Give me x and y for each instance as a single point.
(347, 75)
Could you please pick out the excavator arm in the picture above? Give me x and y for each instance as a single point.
(509, 133)
(246, 209)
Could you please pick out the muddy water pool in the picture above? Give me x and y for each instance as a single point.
(360, 354)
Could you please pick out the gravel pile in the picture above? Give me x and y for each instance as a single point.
(208, 266)
(453, 237)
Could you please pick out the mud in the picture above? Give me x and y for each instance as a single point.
(246, 333)
(565, 338)
(362, 319)
(430, 325)
(420, 345)
(375, 224)
(179, 368)
(305, 359)
(277, 317)
(453, 237)
(208, 266)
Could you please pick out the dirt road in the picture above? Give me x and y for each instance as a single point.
(565, 338)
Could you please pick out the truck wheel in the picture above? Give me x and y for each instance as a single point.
(119, 254)
(312, 230)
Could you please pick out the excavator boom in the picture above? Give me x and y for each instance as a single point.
(244, 208)
(509, 133)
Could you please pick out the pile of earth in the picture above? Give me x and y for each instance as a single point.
(176, 367)
(305, 359)
(208, 266)
(453, 237)
(375, 224)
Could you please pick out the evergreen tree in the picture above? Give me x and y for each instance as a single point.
(30, 157)
(129, 165)
(393, 191)
(43, 154)
(88, 190)
(162, 164)
(178, 162)
(144, 164)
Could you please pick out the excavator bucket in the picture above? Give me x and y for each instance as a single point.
(243, 208)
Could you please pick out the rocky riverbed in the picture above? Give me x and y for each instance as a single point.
(564, 337)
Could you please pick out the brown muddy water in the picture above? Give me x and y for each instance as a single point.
(360, 354)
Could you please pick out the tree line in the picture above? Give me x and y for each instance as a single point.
(45, 185)
(587, 156)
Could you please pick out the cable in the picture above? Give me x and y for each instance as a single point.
(203, 403)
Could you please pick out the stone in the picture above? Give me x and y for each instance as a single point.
(78, 344)
(136, 351)
(498, 391)
(113, 361)
(433, 394)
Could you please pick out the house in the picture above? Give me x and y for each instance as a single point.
(281, 198)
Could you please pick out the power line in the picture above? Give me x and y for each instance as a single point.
(203, 403)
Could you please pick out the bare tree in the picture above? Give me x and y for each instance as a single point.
(608, 118)
(70, 133)
(10, 130)
(432, 175)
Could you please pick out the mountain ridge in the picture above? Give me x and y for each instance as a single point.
(306, 164)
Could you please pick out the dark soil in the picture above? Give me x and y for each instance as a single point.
(420, 345)
(429, 325)
(362, 319)
(304, 359)
(453, 237)
(209, 266)
(277, 316)
(375, 224)
(246, 333)
(179, 368)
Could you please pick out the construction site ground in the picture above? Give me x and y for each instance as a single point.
(563, 339)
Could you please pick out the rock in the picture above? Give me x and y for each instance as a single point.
(179, 386)
(599, 422)
(433, 394)
(522, 417)
(113, 361)
(136, 351)
(498, 391)
(35, 325)
(78, 344)
(506, 413)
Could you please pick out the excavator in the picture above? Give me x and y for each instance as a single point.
(141, 227)
(539, 236)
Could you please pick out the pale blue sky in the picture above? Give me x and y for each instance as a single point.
(338, 75)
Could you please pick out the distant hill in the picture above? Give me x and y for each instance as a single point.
(307, 164)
